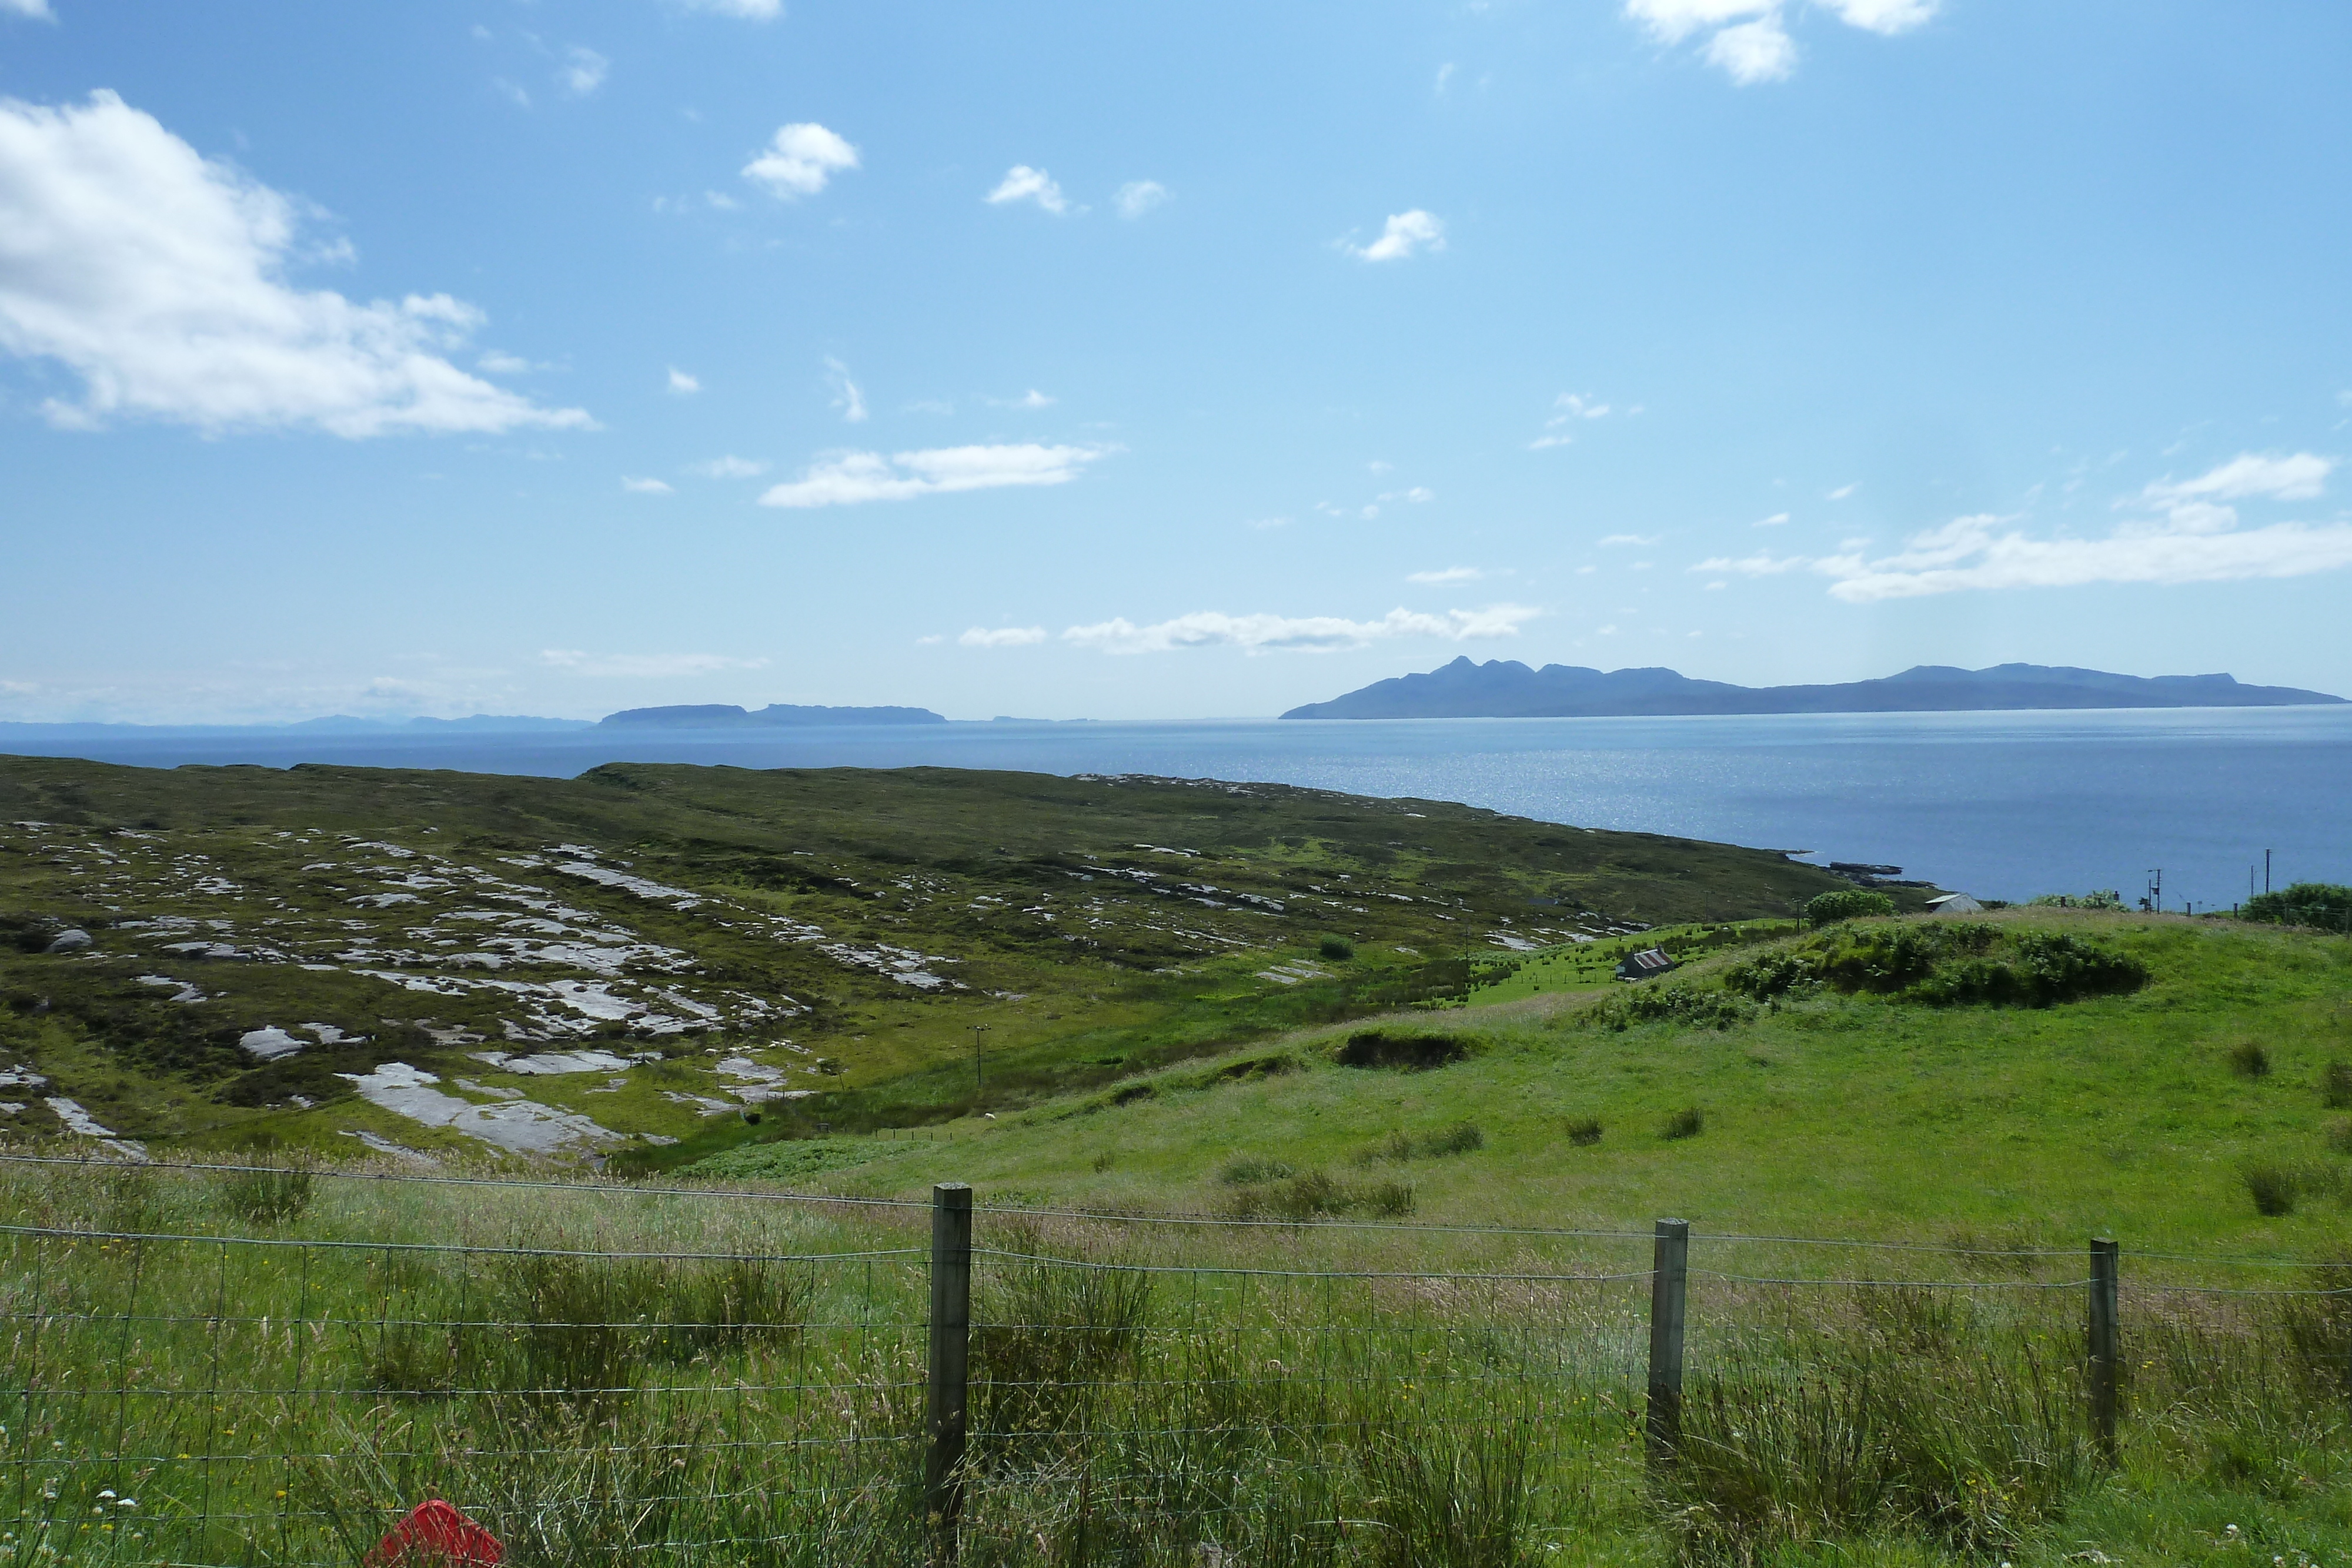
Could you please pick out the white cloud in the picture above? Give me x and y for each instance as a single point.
(1270, 523)
(644, 487)
(1629, 539)
(1843, 491)
(1888, 17)
(681, 385)
(1022, 183)
(847, 396)
(852, 476)
(1451, 574)
(500, 363)
(1568, 408)
(748, 10)
(158, 278)
(1405, 235)
(2183, 532)
(729, 468)
(513, 91)
(1749, 39)
(1137, 197)
(644, 666)
(1760, 564)
(1754, 51)
(1774, 521)
(2298, 478)
(1031, 399)
(1002, 637)
(799, 159)
(38, 10)
(583, 71)
(1308, 633)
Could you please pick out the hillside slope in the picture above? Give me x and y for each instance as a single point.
(1820, 1114)
(439, 962)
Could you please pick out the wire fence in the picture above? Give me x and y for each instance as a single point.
(236, 1367)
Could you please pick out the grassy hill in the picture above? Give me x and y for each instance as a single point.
(1816, 1112)
(645, 955)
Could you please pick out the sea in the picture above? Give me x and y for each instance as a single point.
(2000, 805)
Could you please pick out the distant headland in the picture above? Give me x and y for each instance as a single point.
(722, 715)
(1507, 689)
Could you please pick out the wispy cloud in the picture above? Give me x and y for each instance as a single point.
(1450, 574)
(644, 666)
(799, 161)
(1774, 521)
(37, 10)
(1002, 637)
(681, 385)
(1405, 235)
(1610, 540)
(1568, 410)
(583, 71)
(2176, 531)
(1299, 634)
(1748, 40)
(157, 276)
(1137, 197)
(1843, 491)
(729, 468)
(1022, 183)
(644, 487)
(1031, 399)
(748, 10)
(847, 397)
(849, 477)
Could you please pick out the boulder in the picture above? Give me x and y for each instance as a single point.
(67, 942)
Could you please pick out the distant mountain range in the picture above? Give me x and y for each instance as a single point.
(721, 715)
(1507, 689)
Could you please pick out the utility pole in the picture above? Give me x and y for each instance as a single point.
(978, 1029)
(2266, 871)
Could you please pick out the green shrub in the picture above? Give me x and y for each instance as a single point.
(1944, 963)
(2326, 905)
(1250, 1169)
(2104, 899)
(2335, 1085)
(2248, 1060)
(1671, 1004)
(1688, 1122)
(1846, 904)
(1461, 1138)
(1413, 1052)
(1585, 1131)
(1338, 949)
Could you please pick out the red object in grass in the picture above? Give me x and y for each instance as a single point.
(436, 1534)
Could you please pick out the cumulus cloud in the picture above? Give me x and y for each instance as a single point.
(1022, 183)
(1300, 633)
(848, 477)
(729, 468)
(1451, 574)
(1002, 637)
(644, 666)
(2176, 531)
(847, 397)
(1137, 197)
(158, 277)
(1405, 235)
(681, 385)
(799, 159)
(644, 487)
(1748, 40)
(583, 71)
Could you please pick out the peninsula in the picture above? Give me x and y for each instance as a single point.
(1503, 688)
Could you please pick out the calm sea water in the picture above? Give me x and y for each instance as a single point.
(2005, 805)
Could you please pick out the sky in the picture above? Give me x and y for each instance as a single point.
(1155, 359)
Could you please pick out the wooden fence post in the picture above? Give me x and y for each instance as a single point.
(945, 1388)
(1670, 1270)
(2105, 1347)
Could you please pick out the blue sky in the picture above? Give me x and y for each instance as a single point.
(1156, 360)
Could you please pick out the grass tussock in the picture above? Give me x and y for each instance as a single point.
(1318, 1194)
(1399, 1147)
(2248, 1060)
(1688, 1122)
(1583, 1131)
(2278, 1187)
(2335, 1085)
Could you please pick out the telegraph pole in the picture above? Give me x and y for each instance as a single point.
(978, 1029)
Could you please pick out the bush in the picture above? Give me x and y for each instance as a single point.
(2274, 1187)
(2106, 898)
(2326, 905)
(1688, 1122)
(1585, 1131)
(1943, 963)
(1671, 1004)
(1338, 949)
(1847, 904)
(1413, 1052)
(2335, 1085)
(2248, 1060)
